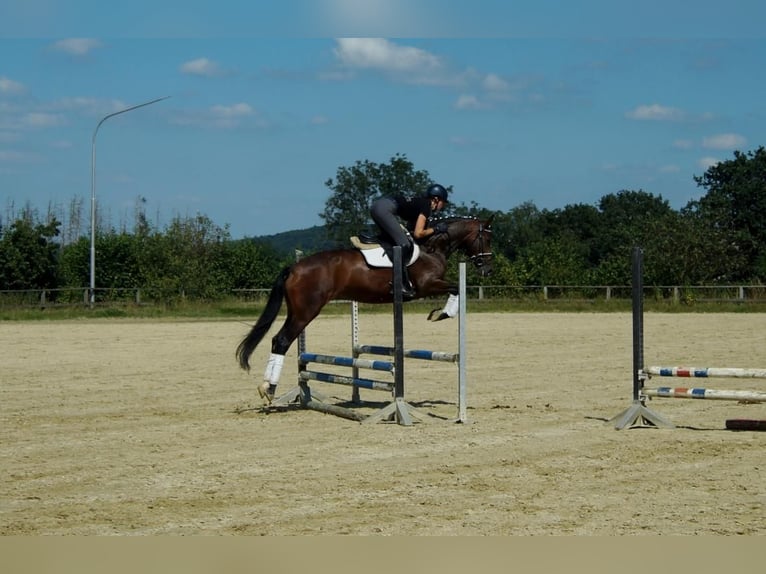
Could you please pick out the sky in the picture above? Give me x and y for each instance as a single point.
(555, 103)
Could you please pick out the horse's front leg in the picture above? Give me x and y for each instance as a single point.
(450, 308)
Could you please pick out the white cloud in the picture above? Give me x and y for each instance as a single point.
(8, 86)
(683, 144)
(77, 46)
(468, 102)
(42, 120)
(234, 111)
(412, 65)
(220, 116)
(670, 169)
(655, 112)
(378, 54)
(230, 116)
(201, 67)
(724, 141)
(319, 120)
(494, 83)
(706, 162)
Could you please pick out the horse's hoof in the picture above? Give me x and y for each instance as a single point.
(267, 393)
(437, 315)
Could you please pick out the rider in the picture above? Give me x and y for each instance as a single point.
(415, 211)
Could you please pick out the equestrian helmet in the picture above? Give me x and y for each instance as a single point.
(436, 190)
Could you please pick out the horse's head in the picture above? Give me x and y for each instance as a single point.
(471, 236)
(479, 249)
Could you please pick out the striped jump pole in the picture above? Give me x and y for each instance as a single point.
(706, 372)
(704, 393)
(306, 375)
(307, 397)
(700, 393)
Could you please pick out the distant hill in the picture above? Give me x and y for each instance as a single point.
(308, 240)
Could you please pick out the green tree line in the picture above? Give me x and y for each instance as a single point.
(717, 239)
(191, 258)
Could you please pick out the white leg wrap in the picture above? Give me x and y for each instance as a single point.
(451, 308)
(273, 368)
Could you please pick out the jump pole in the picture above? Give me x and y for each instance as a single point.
(638, 414)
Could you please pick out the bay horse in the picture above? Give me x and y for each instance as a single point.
(310, 283)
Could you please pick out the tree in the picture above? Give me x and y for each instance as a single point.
(516, 230)
(248, 264)
(734, 208)
(347, 210)
(191, 249)
(28, 254)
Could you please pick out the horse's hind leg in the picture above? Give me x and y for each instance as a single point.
(280, 344)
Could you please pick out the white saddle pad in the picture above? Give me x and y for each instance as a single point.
(376, 255)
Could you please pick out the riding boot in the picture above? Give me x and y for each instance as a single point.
(408, 291)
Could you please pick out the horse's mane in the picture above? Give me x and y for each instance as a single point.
(451, 219)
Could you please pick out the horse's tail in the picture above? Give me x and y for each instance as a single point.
(262, 326)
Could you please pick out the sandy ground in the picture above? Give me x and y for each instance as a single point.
(149, 427)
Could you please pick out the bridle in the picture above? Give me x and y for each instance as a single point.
(480, 259)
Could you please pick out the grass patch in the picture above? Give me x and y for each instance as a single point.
(231, 309)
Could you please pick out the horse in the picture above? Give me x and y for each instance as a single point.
(312, 282)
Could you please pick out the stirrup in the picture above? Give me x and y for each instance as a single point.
(408, 291)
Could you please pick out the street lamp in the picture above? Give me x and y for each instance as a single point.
(93, 194)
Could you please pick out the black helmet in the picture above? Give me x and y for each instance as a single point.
(436, 190)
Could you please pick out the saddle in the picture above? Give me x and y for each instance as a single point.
(378, 252)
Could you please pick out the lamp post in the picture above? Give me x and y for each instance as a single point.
(93, 193)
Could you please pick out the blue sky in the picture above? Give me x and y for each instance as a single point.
(506, 101)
